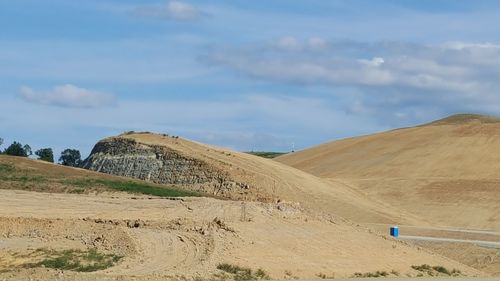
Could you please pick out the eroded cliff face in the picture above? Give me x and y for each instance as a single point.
(159, 164)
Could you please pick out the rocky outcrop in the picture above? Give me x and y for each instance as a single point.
(160, 164)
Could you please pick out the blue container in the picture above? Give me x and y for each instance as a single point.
(394, 231)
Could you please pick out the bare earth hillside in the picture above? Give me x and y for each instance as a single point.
(138, 237)
(445, 173)
(229, 174)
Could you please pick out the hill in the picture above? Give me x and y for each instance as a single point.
(266, 154)
(228, 174)
(444, 172)
(85, 224)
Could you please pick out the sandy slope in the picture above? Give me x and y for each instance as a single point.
(271, 181)
(190, 237)
(446, 172)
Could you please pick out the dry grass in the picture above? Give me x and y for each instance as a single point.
(243, 273)
(26, 174)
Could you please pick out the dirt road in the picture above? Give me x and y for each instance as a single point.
(487, 244)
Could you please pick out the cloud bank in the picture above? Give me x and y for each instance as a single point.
(67, 96)
(387, 76)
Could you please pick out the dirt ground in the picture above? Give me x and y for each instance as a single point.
(443, 174)
(189, 237)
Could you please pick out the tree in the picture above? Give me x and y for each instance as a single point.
(1, 142)
(17, 149)
(27, 150)
(70, 157)
(45, 154)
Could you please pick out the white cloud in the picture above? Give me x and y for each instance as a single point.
(317, 43)
(67, 96)
(375, 62)
(181, 10)
(464, 45)
(457, 67)
(417, 80)
(290, 43)
(176, 10)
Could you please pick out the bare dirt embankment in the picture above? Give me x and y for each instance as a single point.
(444, 173)
(228, 174)
(160, 238)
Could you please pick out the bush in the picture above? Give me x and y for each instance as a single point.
(441, 269)
(434, 270)
(423, 267)
(370, 274)
(243, 273)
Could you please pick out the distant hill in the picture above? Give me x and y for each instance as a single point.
(266, 154)
(461, 119)
(445, 172)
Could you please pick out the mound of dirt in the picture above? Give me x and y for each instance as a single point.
(228, 174)
(445, 174)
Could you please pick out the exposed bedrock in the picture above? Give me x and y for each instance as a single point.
(160, 164)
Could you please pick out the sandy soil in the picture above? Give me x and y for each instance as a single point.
(271, 181)
(189, 237)
(445, 174)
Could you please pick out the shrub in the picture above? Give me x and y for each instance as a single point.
(441, 269)
(435, 270)
(423, 267)
(370, 274)
(243, 273)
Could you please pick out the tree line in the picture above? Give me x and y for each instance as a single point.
(69, 157)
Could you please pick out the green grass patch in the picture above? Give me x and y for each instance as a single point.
(131, 187)
(9, 173)
(76, 260)
(7, 168)
(266, 154)
(23, 178)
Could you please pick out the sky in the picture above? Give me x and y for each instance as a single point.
(247, 75)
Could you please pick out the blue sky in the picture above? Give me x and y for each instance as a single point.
(249, 75)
